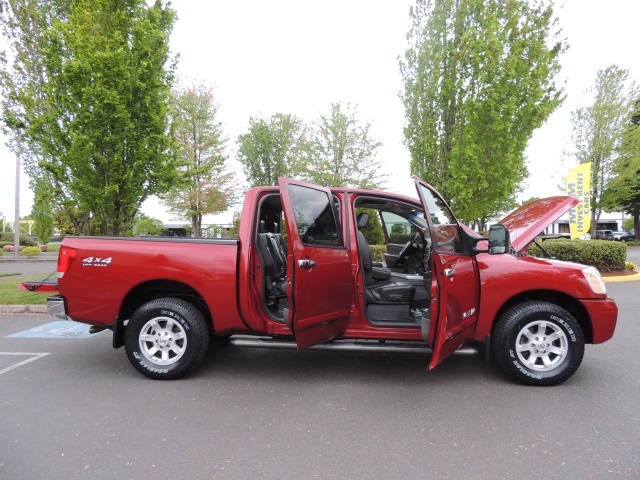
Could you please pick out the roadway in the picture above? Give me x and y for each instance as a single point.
(82, 411)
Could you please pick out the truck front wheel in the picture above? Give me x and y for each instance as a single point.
(538, 343)
(166, 338)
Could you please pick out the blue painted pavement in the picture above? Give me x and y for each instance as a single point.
(58, 329)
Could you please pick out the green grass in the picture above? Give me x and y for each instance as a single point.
(10, 295)
(53, 247)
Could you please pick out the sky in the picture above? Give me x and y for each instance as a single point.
(288, 56)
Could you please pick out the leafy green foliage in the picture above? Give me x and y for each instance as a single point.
(41, 213)
(30, 251)
(62, 223)
(623, 191)
(148, 226)
(478, 80)
(341, 151)
(373, 231)
(25, 240)
(599, 136)
(605, 255)
(377, 252)
(86, 102)
(627, 224)
(399, 234)
(204, 185)
(271, 148)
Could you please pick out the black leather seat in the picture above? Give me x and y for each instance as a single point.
(380, 286)
(274, 260)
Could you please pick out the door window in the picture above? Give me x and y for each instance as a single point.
(315, 216)
(445, 225)
(398, 229)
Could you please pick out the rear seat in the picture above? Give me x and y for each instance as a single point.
(274, 259)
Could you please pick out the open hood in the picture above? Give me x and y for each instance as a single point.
(528, 221)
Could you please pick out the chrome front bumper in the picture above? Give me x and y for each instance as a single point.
(56, 308)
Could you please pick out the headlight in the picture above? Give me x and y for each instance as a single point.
(595, 280)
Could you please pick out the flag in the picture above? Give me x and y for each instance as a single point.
(579, 185)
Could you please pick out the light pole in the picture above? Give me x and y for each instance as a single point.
(16, 232)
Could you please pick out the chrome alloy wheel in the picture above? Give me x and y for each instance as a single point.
(163, 340)
(542, 346)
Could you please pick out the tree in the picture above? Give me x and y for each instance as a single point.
(478, 80)
(598, 130)
(204, 185)
(271, 148)
(62, 223)
(623, 190)
(148, 226)
(86, 101)
(373, 231)
(41, 212)
(341, 151)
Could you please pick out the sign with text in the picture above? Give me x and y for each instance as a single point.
(578, 184)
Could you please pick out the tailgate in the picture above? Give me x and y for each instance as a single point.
(48, 285)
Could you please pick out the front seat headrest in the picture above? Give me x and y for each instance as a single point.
(362, 220)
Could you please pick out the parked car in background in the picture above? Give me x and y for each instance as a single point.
(586, 236)
(628, 236)
(604, 235)
(618, 235)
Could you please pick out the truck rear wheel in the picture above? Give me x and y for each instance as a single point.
(166, 338)
(538, 343)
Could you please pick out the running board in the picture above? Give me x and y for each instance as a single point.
(346, 345)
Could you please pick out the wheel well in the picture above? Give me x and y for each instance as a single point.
(145, 292)
(570, 304)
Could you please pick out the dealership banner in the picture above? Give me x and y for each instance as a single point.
(579, 185)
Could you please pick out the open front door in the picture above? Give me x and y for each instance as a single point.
(457, 278)
(320, 288)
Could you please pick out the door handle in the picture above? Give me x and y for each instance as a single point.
(449, 272)
(306, 263)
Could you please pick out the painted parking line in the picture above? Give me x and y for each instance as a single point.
(58, 329)
(34, 357)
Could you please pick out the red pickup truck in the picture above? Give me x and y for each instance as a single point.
(301, 273)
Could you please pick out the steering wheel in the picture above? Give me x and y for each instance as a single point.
(407, 246)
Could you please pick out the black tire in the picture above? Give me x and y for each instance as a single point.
(554, 344)
(166, 338)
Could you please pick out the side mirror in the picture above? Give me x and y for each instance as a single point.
(498, 241)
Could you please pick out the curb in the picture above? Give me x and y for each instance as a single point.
(17, 309)
(628, 278)
(29, 259)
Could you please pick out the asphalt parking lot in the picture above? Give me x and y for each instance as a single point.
(75, 408)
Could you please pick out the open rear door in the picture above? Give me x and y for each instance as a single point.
(457, 278)
(320, 289)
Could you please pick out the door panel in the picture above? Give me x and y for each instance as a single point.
(457, 277)
(320, 290)
(457, 315)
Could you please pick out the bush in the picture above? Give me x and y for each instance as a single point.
(25, 240)
(606, 256)
(7, 248)
(377, 252)
(633, 243)
(30, 251)
(1, 252)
